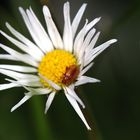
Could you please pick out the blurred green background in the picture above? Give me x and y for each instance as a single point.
(112, 106)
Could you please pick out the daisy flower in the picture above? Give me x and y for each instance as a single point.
(53, 62)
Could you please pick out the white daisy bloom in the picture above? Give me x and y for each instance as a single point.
(53, 63)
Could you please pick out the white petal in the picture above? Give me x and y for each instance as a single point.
(40, 32)
(18, 68)
(17, 75)
(8, 57)
(34, 91)
(92, 44)
(7, 86)
(72, 86)
(104, 45)
(84, 79)
(33, 48)
(67, 35)
(30, 28)
(72, 93)
(30, 83)
(52, 29)
(49, 101)
(86, 69)
(21, 46)
(77, 18)
(14, 41)
(22, 101)
(98, 50)
(27, 82)
(92, 23)
(79, 39)
(38, 91)
(88, 37)
(20, 57)
(32, 31)
(51, 83)
(77, 109)
(85, 44)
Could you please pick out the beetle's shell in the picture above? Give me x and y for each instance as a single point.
(70, 74)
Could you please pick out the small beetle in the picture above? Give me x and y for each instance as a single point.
(70, 74)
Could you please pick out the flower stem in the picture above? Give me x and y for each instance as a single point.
(41, 124)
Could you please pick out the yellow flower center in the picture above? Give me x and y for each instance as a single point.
(60, 67)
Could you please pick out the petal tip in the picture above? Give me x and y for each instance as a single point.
(30, 8)
(113, 41)
(46, 11)
(89, 128)
(20, 9)
(45, 112)
(66, 4)
(12, 109)
(7, 24)
(45, 7)
(84, 5)
(98, 19)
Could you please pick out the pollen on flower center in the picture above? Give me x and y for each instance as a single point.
(59, 66)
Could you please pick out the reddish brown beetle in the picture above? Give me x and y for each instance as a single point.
(70, 74)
